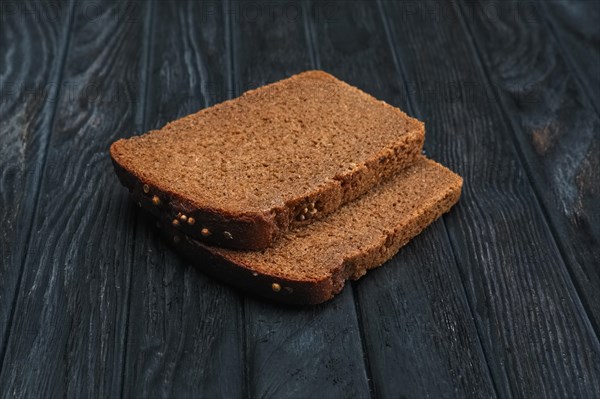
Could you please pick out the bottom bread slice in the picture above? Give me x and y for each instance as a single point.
(310, 265)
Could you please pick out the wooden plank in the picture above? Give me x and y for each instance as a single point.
(185, 335)
(537, 339)
(555, 129)
(419, 333)
(70, 316)
(303, 351)
(33, 43)
(575, 26)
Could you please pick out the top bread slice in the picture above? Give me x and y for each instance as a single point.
(311, 264)
(241, 173)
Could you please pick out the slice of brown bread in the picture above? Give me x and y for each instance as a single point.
(241, 173)
(310, 265)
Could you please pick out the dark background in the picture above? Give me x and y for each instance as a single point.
(499, 298)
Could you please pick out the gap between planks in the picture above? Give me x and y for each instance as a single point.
(315, 60)
(141, 123)
(414, 109)
(524, 164)
(233, 87)
(39, 172)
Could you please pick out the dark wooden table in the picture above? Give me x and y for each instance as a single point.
(500, 298)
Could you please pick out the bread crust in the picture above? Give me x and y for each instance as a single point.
(259, 230)
(260, 227)
(219, 263)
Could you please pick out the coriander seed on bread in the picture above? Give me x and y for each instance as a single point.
(241, 173)
(311, 264)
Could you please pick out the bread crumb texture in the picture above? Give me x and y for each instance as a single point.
(270, 147)
(359, 236)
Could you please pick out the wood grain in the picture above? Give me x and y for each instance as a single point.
(575, 26)
(496, 299)
(292, 352)
(537, 339)
(185, 335)
(554, 127)
(417, 325)
(31, 62)
(70, 316)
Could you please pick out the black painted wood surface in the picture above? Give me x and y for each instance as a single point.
(499, 298)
